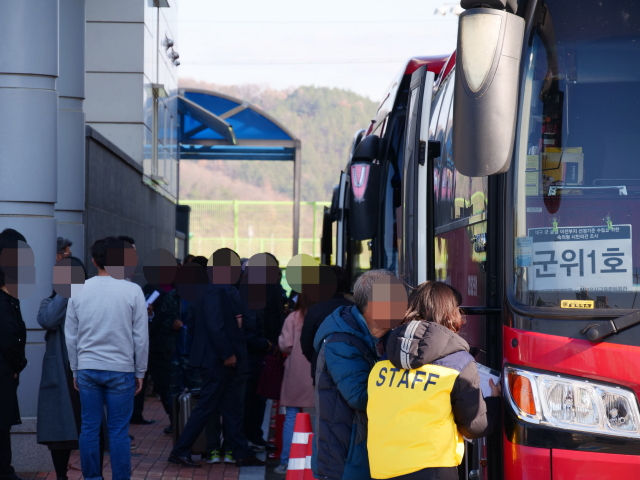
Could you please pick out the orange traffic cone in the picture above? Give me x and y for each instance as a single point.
(298, 456)
(308, 473)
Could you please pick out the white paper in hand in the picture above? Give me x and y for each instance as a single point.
(153, 297)
(486, 374)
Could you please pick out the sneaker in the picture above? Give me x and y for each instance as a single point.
(214, 457)
(228, 457)
(257, 448)
(281, 469)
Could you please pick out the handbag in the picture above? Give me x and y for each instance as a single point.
(271, 377)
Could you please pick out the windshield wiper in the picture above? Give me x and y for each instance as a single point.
(622, 189)
(598, 332)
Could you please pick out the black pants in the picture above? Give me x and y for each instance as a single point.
(221, 393)
(216, 428)
(437, 473)
(254, 406)
(138, 401)
(5, 454)
(159, 368)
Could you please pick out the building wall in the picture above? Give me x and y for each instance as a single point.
(52, 183)
(126, 54)
(119, 204)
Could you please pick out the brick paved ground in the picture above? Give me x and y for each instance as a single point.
(149, 456)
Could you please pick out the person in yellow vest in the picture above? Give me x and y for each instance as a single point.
(427, 395)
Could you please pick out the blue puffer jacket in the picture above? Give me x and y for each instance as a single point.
(346, 354)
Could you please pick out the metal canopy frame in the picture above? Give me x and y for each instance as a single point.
(215, 126)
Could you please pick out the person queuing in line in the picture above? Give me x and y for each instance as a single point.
(59, 413)
(437, 383)
(219, 350)
(63, 248)
(107, 337)
(251, 322)
(297, 387)
(348, 344)
(318, 312)
(13, 337)
(183, 377)
(274, 310)
(164, 329)
(138, 402)
(258, 346)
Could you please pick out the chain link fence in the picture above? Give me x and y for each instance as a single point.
(251, 227)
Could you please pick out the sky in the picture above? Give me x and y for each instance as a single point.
(351, 44)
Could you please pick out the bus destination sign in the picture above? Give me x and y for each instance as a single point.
(597, 259)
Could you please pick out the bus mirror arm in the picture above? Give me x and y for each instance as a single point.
(597, 332)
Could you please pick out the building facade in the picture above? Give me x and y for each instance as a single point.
(88, 145)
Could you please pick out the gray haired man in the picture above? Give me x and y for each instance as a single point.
(349, 343)
(63, 249)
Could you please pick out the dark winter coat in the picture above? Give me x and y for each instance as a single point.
(217, 335)
(56, 417)
(166, 310)
(13, 337)
(312, 321)
(274, 313)
(253, 328)
(257, 344)
(346, 354)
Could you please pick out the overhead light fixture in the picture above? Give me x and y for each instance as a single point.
(176, 63)
(175, 55)
(441, 10)
(158, 90)
(168, 43)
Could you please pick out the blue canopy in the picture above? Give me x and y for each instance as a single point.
(214, 126)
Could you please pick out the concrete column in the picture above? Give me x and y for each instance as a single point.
(71, 135)
(28, 151)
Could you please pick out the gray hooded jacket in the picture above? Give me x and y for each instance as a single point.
(420, 343)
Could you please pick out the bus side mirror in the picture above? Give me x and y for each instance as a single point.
(364, 198)
(367, 150)
(486, 91)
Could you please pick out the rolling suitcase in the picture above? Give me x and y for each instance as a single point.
(183, 405)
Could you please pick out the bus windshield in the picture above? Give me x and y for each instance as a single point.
(577, 173)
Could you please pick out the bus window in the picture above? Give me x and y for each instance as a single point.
(392, 196)
(457, 197)
(459, 215)
(358, 258)
(577, 225)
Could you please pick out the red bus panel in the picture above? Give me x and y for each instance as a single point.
(607, 362)
(576, 465)
(526, 463)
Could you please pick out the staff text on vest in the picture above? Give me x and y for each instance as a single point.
(406, 378)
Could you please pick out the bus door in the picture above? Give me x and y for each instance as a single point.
(459, 233)
(341, 231)
(412, 240)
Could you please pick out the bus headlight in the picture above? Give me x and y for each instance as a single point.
(572, 404)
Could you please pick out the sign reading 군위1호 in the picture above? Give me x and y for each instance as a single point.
(581, 258)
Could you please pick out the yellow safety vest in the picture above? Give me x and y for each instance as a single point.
(411, 424)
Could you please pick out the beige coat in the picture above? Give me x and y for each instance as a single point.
(297, 386)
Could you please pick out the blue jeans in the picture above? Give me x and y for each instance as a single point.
(287, 432)
(116, 389)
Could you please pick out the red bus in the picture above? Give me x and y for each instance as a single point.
(509, 173)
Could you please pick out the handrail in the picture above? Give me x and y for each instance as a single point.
(481, 310)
